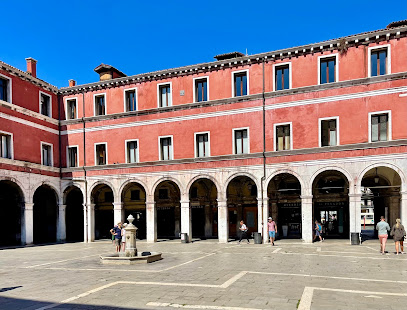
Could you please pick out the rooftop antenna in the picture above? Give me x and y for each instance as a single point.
(246, 52)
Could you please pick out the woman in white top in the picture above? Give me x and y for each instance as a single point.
(243, 231)
(124, 237)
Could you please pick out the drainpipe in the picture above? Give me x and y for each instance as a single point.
(59, 138)
(263, 178)
(83, 167)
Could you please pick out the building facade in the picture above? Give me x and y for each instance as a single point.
(314, 132)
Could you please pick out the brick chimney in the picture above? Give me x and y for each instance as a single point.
(72, 83)
(31, 66)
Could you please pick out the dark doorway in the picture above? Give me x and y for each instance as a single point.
(11, 202)
(167, 197)
(45, 215)
(74, 215)
(198, 221)
(134, 203)
(102, 197)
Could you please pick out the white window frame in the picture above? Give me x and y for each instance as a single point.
(389, 129)
(10, 87)
(11, 143)
(158, 94)
(369, 58)
(138, 150)
(289, 75)
(275, 135)
(233, 81)
(52, 153)
(320, 129)
(94, 150)
(124, 98)
(50, 104)
(94, 103)
(193, 86)
(209, 143)
(66, 107)
(248, 140)
(336, 55)
(67, 155)
(172, 147)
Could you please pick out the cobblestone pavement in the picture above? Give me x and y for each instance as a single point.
(206, 275)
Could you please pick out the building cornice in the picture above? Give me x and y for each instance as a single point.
(340, 44)
(296, 152)
(28, 77)
(227, 101)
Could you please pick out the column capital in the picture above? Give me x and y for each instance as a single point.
(355, 195)
(184, 202)
(28, 206)
(403, 193)
(117, 205)
(221, 201)
(264, 199)
(306, 196)
(61, 207)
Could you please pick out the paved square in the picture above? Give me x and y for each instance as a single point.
(206, 275)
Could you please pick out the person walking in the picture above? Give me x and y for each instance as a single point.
(382, 228)
(243, 231)
(272, 230)
(318, 230)
(398, 234)
(117, 232)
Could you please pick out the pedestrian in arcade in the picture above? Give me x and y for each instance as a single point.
(398, 232)
(243, 231)
(383, 228)
(117, 232)
(318, 230)
(272, 230)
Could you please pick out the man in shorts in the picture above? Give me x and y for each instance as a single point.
(272, 229)
(383, 227)
(117, 232)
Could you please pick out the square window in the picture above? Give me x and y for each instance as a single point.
(283, 137)
(71, 109)
(163, 193)
(166, 148)
(240, 84)
(380, 127)
(165, 97)
(329, 134)
(202, 144)
(5, 145)
(201, 90)
(73, 156)
(101, 154)
(327, 70)
(100, 105)
(282, 77)
(132, 151)
(45, 104)
(378, 62)
(130, 99)
(241, 140)
(46, 151)
(5, 89)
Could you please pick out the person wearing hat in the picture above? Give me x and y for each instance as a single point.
(272, 229)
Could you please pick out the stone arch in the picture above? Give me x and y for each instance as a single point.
(74, 215)
(242, 174)
(102, 201)
(19, 184)
(333, 168)
(396, 168)
(70, 186)
(129, 181)
(286, 171)
(203, 176)
(167, 178)
(11, 212)
(102, 182)
(50, 185)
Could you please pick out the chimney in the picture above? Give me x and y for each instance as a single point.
(72, 83)
(31, 66)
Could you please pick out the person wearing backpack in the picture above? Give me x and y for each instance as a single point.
(318, 230)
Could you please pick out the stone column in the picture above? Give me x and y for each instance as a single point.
(151, 218)
(186, 218)
(355, 202)
(61, 228)
(118, 212)
(266, 211)
(223, 221)
(260, 216)
(91, 222)
(85, 223)
(306, 213)
(28, 233)
(403, 208)
(208, 221)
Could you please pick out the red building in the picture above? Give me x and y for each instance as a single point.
(315, 132)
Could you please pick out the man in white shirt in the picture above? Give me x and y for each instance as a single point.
(243, 231)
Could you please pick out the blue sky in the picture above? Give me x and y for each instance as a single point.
(70, 38)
